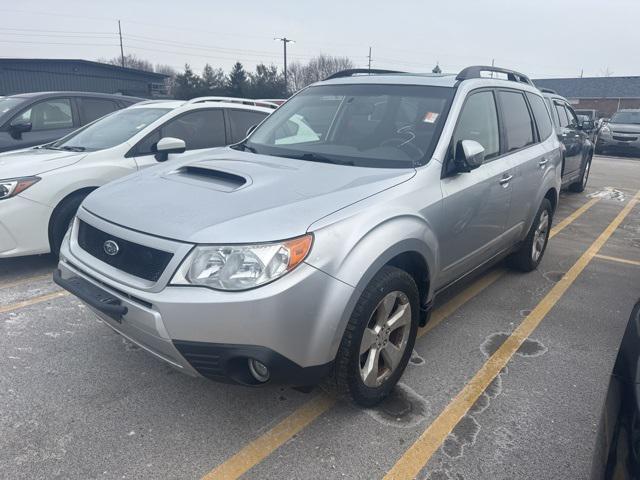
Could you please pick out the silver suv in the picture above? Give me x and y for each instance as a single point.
(314, 248)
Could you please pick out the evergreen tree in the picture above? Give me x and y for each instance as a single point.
(237, 81)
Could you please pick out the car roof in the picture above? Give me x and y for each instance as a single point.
(38, 95)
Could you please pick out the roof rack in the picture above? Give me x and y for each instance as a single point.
(476, 70)
(360, 71)
(242, 101)
(548, 90)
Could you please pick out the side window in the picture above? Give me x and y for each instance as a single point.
(573, 120)
(541, 115)
(94, 108)
(198, 129)
(554, 113)
(479, 121)
(516, 119)
(241, 121)
(47, 115)
(562, 114)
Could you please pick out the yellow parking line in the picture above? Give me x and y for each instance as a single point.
(417, 456)
(619, 260)
(260, 448)
(33, 301)
(571, 218)
(24, 281)
(263, 446)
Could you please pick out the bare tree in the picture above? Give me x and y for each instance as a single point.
(317, 69)
(130, 61)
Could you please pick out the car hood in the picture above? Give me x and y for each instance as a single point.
(624, 127)
(34, 161)
(227, 196)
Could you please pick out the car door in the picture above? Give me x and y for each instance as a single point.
(525, 122)
(50, 120)
(579, 137)
(476, 203)
(202, 128)
(91, 109)
(571, 138)
(240, 121)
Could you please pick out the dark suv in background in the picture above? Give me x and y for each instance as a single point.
(575, 136)
(32, 119)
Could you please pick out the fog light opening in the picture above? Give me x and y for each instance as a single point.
(259, 370)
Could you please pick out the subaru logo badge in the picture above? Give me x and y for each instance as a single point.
(111, 248)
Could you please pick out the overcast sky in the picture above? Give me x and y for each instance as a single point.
(544, 38)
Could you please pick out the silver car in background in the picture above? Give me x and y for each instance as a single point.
(314, 249)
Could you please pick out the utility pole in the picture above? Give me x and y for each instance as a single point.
(369, 59)
(121, 49)
(284, 41)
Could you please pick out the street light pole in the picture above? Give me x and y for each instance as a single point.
(284, 41)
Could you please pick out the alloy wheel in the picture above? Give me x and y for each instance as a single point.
(585, 176)
(385, 339)
(540, 236)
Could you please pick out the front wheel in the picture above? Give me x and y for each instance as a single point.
(581, 184)
(529, 255)
(379, 338)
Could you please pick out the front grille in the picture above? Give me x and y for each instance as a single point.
(132, 258)
(625, 139)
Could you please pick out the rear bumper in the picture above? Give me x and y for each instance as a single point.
(24, 226)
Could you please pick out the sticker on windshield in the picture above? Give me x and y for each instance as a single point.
(430, 117)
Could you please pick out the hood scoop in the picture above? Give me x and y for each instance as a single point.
(207, 176)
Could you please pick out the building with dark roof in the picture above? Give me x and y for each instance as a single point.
(605, 94)
(23, 75)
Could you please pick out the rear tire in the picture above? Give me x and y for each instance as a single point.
(529, 255)
(61, 220)
(378, 340)
(580, 185)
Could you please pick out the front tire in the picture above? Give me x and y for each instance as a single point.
(379, 338)
(61, 220)
(580, 185)
(529, 255)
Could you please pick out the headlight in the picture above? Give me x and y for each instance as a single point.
(605, 129)
(13, 186)
(241, 267)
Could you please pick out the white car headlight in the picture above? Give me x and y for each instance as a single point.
(13, 186)
(241, 267)
(605, 129)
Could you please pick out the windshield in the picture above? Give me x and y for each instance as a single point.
(8, 103)
(111, 130)
(626, 117)
(388, 126)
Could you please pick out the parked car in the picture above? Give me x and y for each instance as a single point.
(42, 187)
(575, 135)
(297, 261)
(32, 119)
(621, 133)
(277, 101)
(590, 113)
(617, 449)
(588, 126)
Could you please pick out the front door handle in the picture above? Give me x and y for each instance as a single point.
(543, 162)
(506, 179)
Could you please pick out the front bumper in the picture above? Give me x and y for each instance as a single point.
(289, 325)
(24, 227)
(610, 143)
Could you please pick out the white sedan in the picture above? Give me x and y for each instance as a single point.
(42, 187)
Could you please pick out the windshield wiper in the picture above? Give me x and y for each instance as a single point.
(73, 149)
(242, 146)
(314, 157)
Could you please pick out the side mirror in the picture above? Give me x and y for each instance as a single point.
(17, 129)
(469, 155)
(251, 129)
(586, 125)
(168, 145)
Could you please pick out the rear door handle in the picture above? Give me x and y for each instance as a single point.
(506, 179)
(543, 162)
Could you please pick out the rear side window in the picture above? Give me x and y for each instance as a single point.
(562, 114)
(47, 115)
(479, 121)
(517, 120)
(541, 115)
(94, 108)
(198, 129)
(241, 121)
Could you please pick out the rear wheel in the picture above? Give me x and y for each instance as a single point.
(530, 253)
(379, 338)
(61, 220)
(581, 184)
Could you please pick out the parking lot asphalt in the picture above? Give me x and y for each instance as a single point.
(530, 354)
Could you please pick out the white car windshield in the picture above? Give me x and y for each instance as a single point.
(110, 131)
